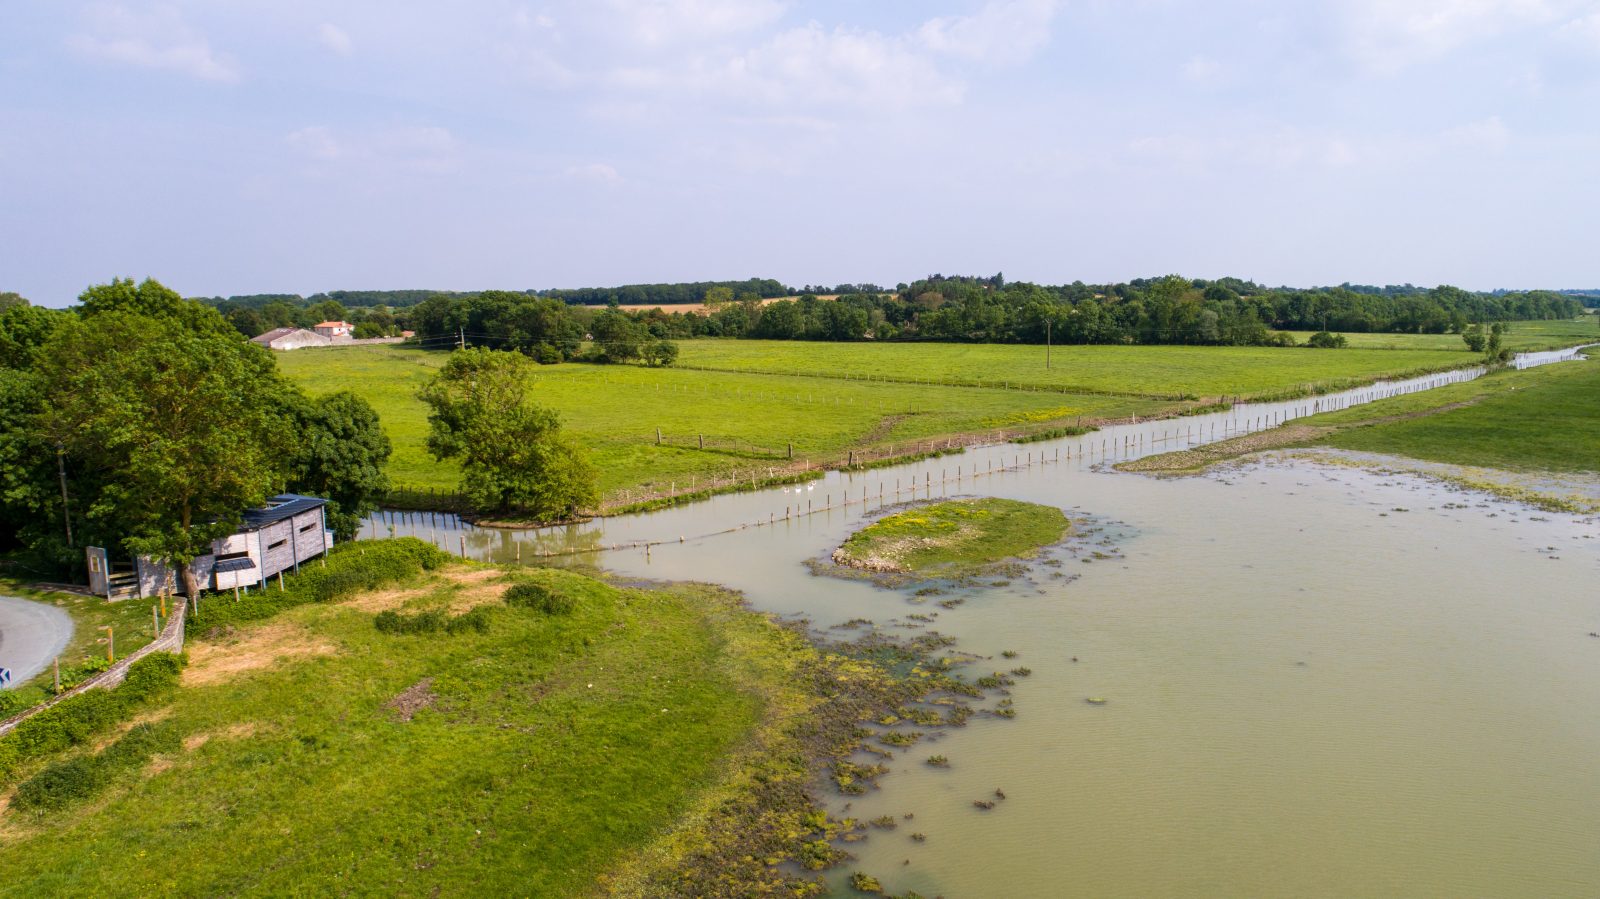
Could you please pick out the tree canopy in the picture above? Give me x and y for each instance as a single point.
(513, 455)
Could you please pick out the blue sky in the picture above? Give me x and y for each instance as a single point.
(291, 146)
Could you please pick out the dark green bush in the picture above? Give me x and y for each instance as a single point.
(59, 784)
(75, 720)
(475, 620)
(84, 776)
(431, 622)
(528, 595)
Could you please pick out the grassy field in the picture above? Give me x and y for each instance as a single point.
(749, 420)
(952, 539)
(1545, 419)
(322, 757)
(1524, 336)
(1156, 371)
(1541, 419)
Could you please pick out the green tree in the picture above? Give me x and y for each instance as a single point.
(342, 451)
(1474, 338)
(513, 454)
(618, 337)
(660, 353)
(177, 414)
(718, 296)
(11, 298)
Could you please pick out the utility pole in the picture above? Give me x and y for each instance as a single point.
(461, 338)
(66, 511)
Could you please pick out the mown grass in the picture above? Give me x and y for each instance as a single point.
(1542, 419)
(1155, 371)
(953, 538)
(614, 412)
(1522, 336)
(551, 746)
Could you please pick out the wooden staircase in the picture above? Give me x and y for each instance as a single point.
(122, 585)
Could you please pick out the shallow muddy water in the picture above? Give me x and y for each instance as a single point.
(1319, 680)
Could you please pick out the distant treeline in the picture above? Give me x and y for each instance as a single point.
(1168, 310)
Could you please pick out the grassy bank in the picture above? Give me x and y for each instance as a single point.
(1539, 419)
(750, 421)
(647, 742)
(952, 539)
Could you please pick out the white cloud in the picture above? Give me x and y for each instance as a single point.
(334, 38)
(1584, 30)
(1387, 35)
(156, 39)
(1202, 70)
(1003, 31)
(664, 22)
(595, 173)
(418, 149)
(807, 68)
(1490, 134)
(316, 142)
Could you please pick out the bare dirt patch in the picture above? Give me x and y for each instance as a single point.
(413, 699)
(256, 648)
(237, 731)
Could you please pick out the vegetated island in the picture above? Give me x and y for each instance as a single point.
(952, 539)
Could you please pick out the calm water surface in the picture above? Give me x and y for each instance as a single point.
(1310, 691)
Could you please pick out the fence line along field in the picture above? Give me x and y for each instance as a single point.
(749, 421)
(1153, 371)
(738, 407)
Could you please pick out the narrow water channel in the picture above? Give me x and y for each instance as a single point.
(1319, 681)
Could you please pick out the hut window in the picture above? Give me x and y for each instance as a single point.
(307, 526)
(280, 543)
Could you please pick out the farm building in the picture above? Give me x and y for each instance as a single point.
(290, 339)
(288, 531)
(337, 332)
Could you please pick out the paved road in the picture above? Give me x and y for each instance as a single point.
(31, 634)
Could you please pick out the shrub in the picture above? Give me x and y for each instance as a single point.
(539, 598)
(59, 784)
(75, 720)
(431, 622)
(82, 777)
(1323, 340)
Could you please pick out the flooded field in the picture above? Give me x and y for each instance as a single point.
(1318, 680)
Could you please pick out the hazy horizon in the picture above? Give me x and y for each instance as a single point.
(293, 148)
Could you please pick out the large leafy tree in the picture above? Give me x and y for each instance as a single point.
(175, 417)
(342, 451)
(513, 455)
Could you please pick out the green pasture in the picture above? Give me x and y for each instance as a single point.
(1522, 336)
(527, 759)
(1542, 419)
(1153, 371)
(748, 420)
